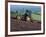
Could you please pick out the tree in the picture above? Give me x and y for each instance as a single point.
(25, 15)
(29, 12)
(16, 14)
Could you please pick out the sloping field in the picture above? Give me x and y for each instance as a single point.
(36, 17)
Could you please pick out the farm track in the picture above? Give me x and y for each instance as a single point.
(19, 25)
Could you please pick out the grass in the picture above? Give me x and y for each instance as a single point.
(36, 17)
(13, 14)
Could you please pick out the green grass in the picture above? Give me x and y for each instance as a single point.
(13, 14)
(36, 17)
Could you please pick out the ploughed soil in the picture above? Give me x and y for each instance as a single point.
(19, 25)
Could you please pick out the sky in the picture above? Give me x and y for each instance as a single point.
(24, 7)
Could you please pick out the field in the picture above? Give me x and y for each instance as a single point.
(19, 25)
(36, 17)
(33, 16)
